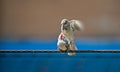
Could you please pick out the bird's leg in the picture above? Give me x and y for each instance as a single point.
(72, 47)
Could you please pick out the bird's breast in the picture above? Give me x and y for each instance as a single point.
(69, 35)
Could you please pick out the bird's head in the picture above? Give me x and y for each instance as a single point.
(65, 24)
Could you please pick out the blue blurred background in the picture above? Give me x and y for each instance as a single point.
(35, 25)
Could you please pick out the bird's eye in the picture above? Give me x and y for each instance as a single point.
(65, 22)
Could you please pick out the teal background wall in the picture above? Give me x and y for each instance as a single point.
(56, 62)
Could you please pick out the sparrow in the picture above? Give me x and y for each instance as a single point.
(66, 38)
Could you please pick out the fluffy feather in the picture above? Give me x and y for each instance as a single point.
(77, 25)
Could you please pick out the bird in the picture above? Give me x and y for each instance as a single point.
(66, 37)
